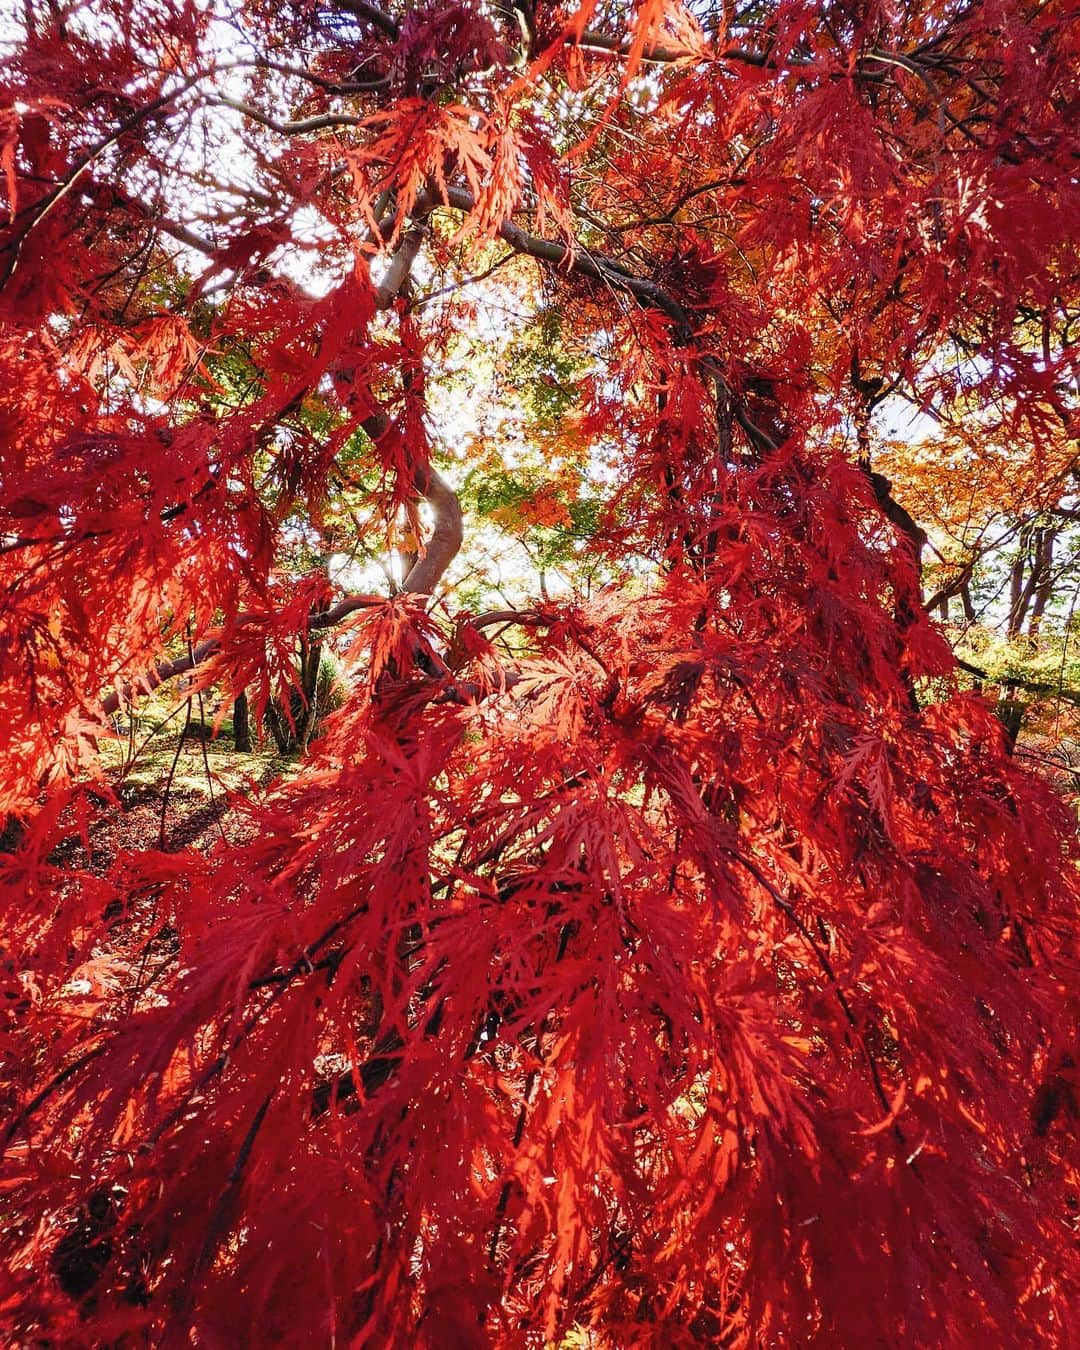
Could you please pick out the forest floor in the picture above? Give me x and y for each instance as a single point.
(174, 796)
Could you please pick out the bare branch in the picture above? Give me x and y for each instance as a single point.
(658, 54)
(527, 617)
(298, 127)
(586, 264)
(167, 670)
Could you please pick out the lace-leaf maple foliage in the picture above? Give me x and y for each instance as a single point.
(697, 969)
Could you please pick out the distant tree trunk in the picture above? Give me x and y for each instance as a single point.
(309, 687)
(1035, 559)
(242, 722)
(1044, 581)
(1011, 712)
(1016, 585)
(292, 722)
(278, 728)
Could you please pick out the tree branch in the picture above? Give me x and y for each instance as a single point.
(897, 514)
(400, 265)
(652, 296)
(955, 586)
(583, 262)
(1022, 682)
(658, 54)
(167, 670)
(296, 127)
(377, 17)
(446, 536)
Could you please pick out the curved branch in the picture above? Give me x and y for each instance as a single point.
(446, 537)
(167, 670)
(954, 587)
(424, 576)
(297, 127)
(525, 617)
(377, 17)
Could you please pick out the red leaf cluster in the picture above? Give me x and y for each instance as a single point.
(705, 973)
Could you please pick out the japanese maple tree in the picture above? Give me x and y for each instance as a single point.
(677, 958)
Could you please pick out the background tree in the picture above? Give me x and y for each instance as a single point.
(670, 954)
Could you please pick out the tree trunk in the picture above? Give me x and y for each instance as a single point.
(310, 661)
(242, 723)
(278, 729)
(1019, 592)
(1044, 581)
